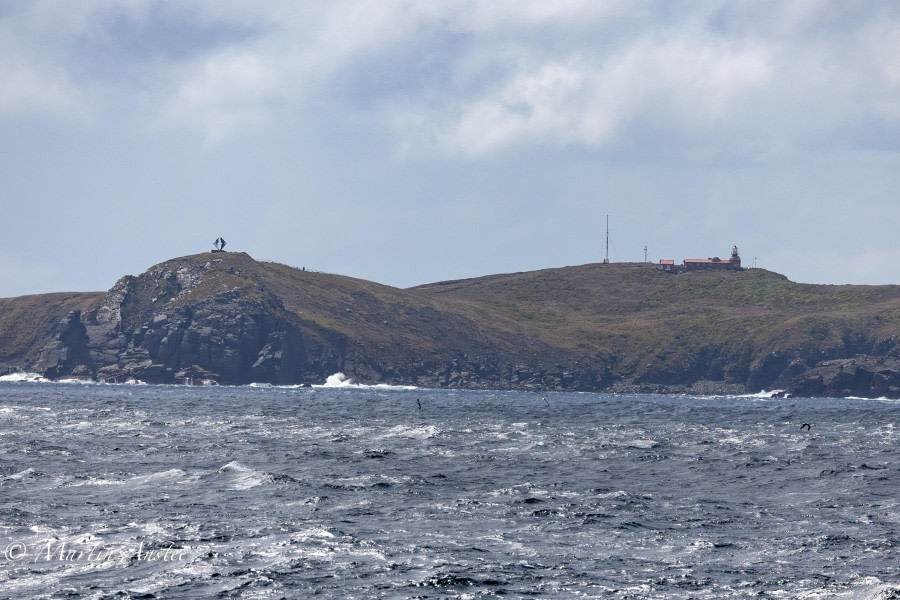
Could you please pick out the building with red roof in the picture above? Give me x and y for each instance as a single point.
(705, 264)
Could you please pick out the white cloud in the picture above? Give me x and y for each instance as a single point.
(757, 88)
(295, 59)
(33, 89)
(690, 86)
(512, 15)
(226, 93)
(477, 77)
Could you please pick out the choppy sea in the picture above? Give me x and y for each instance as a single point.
(128, 491)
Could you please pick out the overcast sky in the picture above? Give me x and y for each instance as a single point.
(407, 142)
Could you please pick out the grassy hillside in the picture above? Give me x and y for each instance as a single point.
(660, 326)
(377, 314)
(583, 327)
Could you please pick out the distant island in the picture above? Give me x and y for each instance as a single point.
(224, 317)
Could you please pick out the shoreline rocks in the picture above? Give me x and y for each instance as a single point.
(860, 376)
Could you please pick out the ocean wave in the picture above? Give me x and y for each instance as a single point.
(162, 477)
(359, 494)
(91, 481)
(28, 473)
(23, 378)
(38, 378)
(243, 477)
(765, 394)
(642, 443)
(339, 380)
(866, 588)
(420, 432)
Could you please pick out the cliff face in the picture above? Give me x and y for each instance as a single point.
(41, 333)
(201, 318)
(228, 318)
(861, 376)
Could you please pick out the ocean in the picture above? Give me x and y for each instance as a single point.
(134, 491)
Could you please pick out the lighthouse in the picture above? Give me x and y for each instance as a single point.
(735, 258)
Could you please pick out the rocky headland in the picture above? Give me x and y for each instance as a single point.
(227, 318)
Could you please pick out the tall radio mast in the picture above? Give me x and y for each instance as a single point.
(606, 260)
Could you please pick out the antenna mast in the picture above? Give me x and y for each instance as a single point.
(606, 260)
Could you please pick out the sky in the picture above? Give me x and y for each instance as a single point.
(408, 142)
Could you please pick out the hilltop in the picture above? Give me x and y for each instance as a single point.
(752, 327)
(621, 327)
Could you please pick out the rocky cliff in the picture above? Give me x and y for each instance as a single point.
(860, 376)
(228, 318)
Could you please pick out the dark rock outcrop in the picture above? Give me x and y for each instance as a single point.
(68, 353)
(155, 328)
(860, 376)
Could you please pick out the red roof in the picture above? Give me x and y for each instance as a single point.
(666, 262)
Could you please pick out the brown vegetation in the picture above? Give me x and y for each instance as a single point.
(596, 326)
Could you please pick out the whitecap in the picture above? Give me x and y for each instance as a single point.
(866, 588)
(763, 394)
(170, 475)
(642, 443)
(422, 432)
(339, 380)
(311, 534)
(616, 494)
(92, 481)
(151, 528)
(387, 386)
(243, 477)
(23, 377)
(29, 472)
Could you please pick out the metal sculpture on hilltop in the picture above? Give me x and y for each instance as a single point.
(219, 244)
